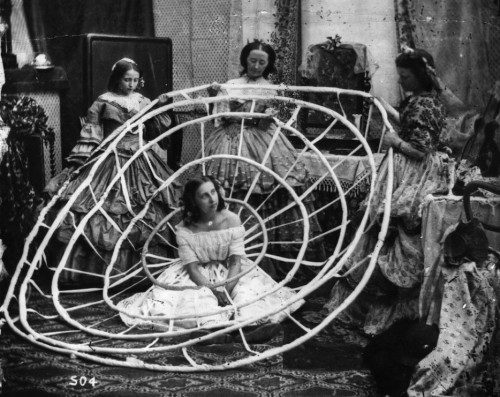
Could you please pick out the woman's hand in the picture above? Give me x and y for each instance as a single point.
(271, 112)
(234, 269)
(163, 99)
(392, 140)
(214, 89)
(403, 147)
(222, 298)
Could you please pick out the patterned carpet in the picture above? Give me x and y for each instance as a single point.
(328, 365)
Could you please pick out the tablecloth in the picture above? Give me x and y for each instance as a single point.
(349, 169)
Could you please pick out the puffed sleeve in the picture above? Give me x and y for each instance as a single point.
(424, 122)
(186, 253)
(237, 246)
(91, 135)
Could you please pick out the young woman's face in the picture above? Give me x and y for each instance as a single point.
(128, 83)
(408, 80)
(257, 62)
(206, 198)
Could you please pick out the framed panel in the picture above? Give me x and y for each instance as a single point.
(154, 57)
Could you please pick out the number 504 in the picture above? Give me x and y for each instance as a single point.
(82, 381)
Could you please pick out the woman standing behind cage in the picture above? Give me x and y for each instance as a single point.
(108, 113)
(420, 168)
(257, 60)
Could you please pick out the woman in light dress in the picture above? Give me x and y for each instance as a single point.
(211, 249)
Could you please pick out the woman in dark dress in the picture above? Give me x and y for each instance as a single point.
(109, 112)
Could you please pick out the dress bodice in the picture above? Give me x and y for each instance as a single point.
(422, 120)
(210, 246)
(240, 105)
(119, 108)
(115, 110)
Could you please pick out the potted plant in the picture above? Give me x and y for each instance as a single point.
(22, 120)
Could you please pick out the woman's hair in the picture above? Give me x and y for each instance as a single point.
(118, 71)
(421, 63)
(191, 212)
(258, 45)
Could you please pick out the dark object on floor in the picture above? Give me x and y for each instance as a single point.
(393, 355)
(215, 340)
(253, 334)
(4, 285)
(259, 333)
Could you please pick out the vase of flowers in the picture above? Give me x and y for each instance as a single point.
(25, 117)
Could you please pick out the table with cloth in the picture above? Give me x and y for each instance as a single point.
(462, 301)
(350, 170)
(354, 175)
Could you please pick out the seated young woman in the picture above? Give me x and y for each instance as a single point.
(92, 253)
(211, 249)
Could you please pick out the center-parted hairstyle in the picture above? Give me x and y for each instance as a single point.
(191, 212)
(258, 45)
(421, 63)
(118, 71)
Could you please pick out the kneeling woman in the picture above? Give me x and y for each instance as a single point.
(211, 250)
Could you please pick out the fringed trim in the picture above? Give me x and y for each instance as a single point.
(358, 187)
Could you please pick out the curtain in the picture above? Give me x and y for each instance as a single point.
(21, 45)
(235, 39)
(57, 27)
(461, 37)
(286, 41)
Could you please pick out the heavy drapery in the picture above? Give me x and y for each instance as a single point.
(463, 37)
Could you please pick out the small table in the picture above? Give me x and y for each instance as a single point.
(354, 175)
(438, 214)
(349, 169)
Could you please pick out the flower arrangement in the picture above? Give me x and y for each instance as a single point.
(332, 43)
(25, 117)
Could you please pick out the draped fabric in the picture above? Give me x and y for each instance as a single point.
(58, 27)
(286, 41)
(235, 39)
(462, 36)
(50, 22)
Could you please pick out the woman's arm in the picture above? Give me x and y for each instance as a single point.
(422, 123)
(109, 125)
(158, 124)
(391, 111)
(403, 147)
(200, 280)
(91, 135)
(234, 266)
(195, 274)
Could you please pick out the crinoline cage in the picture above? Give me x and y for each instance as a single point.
(88, 328)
